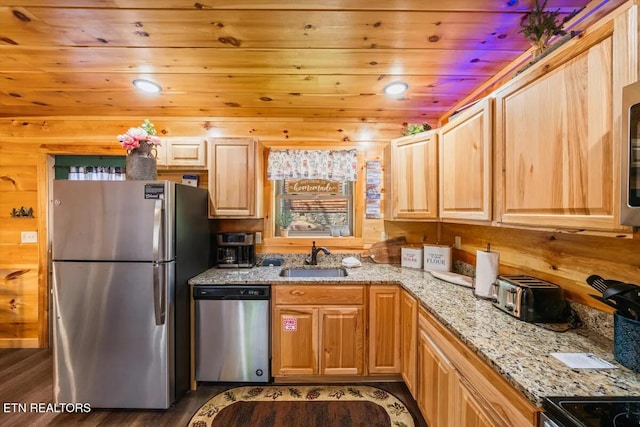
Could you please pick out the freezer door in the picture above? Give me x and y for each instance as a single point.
(113, 340)
(114, 221)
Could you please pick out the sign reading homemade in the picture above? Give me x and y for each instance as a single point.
(313, 186)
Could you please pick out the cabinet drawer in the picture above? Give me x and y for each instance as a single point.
(318, 295)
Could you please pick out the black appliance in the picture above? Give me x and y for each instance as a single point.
(235, 250)
(528, 298)
(591, 412)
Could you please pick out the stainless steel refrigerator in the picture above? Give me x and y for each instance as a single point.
(122, 254)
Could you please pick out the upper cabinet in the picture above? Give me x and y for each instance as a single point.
(412, 163)
(465, 164)
(234, 171)
(189, 153)
(557, 139)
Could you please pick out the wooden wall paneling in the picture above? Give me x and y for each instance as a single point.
(260, 29)
(19, 263)
(212, 60)
(176, 176)
(54, 132)
(563, 258)
(19, 307)
(415, 232)
(73, 39)
(418, 5)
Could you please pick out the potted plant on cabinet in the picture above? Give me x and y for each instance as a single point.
(284, 221)
(539, 25)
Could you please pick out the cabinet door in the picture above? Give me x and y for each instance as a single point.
(295, 341)
(232, 177)
(414, 177)
(554, 142)
(408, 340)
(468, 408)
(183, 152)
(384, 330)
(465, 164)
(342, 341)
(435, 375)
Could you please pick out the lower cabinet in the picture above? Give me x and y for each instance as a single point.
(457, 388)
(408, 340)
(384, 330)
(341, 340)
(295, 341)
(435, 379)
(318, 330)
(468, 409)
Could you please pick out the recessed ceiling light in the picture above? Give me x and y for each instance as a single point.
(147, 85)
(395, 88)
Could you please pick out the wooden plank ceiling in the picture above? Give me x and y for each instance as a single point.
(261, 58)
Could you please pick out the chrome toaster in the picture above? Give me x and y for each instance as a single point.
(529, 299)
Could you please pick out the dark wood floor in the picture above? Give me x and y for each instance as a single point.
(26, 377)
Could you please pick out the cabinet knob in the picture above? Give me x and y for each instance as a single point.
(297, 293)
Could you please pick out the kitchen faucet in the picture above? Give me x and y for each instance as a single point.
(314, 253)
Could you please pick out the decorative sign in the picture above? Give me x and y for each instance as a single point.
(289, 324)
(313, 186)
(374, 187)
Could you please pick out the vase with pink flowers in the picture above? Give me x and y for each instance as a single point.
(140, 143)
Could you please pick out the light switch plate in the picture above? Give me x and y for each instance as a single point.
(28, 237)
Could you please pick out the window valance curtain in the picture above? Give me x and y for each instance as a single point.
(335, 165)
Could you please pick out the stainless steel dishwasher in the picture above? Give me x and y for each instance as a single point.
(232, 340)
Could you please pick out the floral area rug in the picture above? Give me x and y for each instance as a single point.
(280, 405)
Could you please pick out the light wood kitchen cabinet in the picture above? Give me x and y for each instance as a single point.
(456, 387)
(408, 340)
(465, 146)
(469, 410)
(295, 341)
(412, 177)
(384, 330)
(341, 340)
(187, 153)
(435, 378)
(318, 330)
(235, 174)
(557, 131)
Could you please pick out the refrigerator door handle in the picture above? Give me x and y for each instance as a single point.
(157, 228)
(159, 300)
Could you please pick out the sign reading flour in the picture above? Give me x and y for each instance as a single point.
(437, 258)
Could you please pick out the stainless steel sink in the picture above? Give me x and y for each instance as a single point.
(313, 272)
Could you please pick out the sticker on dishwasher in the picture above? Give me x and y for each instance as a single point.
(289, 324)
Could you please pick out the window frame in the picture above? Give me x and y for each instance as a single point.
(274, 243)
(348, 193)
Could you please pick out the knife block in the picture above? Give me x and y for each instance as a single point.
(626, 336)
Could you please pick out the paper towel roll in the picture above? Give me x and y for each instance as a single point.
(487, 264)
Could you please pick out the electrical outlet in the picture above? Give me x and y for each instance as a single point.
(258, 238)
(457, 242)
(28, 237)
(383, 236)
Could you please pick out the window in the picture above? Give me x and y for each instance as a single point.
(314, 207)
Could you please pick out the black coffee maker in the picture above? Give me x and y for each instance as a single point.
(235, 250)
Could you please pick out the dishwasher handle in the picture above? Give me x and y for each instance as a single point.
(208, 292)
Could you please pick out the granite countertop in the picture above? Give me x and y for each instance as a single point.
(518, 350)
